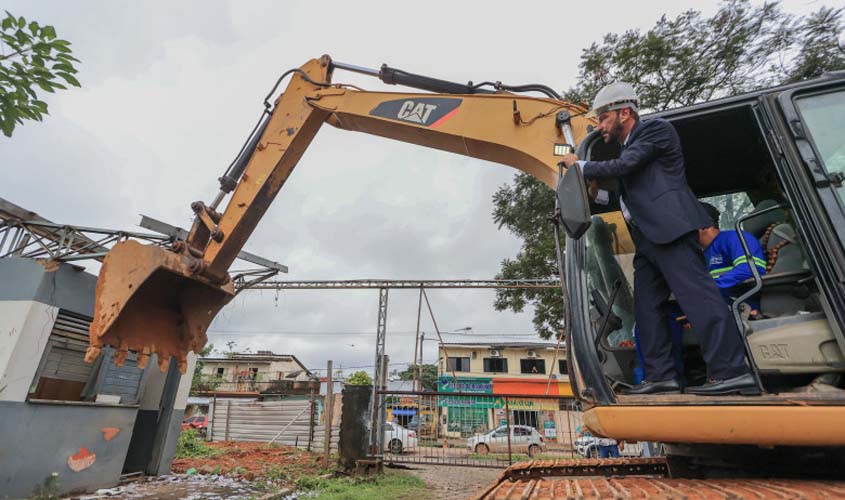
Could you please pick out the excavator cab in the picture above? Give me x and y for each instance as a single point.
(773, 163)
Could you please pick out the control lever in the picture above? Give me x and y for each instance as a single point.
(607, 314)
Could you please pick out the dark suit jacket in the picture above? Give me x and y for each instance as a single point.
(653, 183)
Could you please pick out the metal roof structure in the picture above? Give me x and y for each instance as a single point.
(25, 234)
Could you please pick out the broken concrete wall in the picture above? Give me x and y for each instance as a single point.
(30, 299)
(84, 444)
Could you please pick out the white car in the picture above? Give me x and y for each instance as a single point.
(587, 446)
(524, 439)
(398, 439)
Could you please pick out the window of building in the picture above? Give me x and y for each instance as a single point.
(221, 371)
(467, 421)
(532, 365)
(63, 374)
(253, 373)
(457, 364)
(495, 365)
(524, 417)
(561, 366)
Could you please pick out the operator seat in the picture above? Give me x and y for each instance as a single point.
(786, 292)
(759, 224)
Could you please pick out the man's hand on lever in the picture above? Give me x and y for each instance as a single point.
(592, 185)
(569, 159)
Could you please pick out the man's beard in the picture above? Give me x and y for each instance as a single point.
(615, 132)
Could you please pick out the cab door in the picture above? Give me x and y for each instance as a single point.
(810, 122)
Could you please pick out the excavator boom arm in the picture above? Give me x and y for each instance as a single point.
(510, 129)
(191, 284)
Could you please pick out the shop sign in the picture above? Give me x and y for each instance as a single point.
(527, 404)
(465, 402)
(465, 385)
(549, 429)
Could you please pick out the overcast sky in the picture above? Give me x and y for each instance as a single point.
(171, 89)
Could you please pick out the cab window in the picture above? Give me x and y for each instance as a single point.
(824, 118)
(731, 207)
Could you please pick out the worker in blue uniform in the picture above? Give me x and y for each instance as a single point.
(726, 259)
(664, 217)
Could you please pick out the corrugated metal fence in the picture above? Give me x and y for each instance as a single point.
(288, 422)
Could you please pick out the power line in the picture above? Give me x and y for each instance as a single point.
(330, 334)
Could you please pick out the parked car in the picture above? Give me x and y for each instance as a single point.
(198, 422)
(421, 424)
(524, 439)
(398, 439)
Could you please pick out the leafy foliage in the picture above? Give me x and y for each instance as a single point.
(30, 56)
(524, 209)
(192, 445)
(429, 375)
(691, 59)
(359, 378)
(678, 62)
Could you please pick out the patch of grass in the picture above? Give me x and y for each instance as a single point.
(48, 490)
(192, 445)
(388, 486)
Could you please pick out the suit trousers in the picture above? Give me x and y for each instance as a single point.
(678, 267)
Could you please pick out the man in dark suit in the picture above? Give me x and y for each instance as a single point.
(664, 217)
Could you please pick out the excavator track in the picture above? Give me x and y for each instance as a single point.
(641, 478)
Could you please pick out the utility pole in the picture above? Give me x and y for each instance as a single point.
(329, 406)
(417, 344)
(420, 361)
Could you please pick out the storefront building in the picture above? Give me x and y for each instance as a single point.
(505, 381)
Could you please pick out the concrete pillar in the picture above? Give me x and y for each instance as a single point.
(354, 425)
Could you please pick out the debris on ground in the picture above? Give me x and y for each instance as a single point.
(179, 487)
(281, 465)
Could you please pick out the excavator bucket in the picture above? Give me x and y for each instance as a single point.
(148, 300)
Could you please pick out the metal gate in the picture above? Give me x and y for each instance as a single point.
(480, 430)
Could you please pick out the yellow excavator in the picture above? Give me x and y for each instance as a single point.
(776, 157)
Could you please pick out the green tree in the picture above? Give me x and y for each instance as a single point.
(359, 378)
(678, 62)
(200, 382)
(30, 56)
(429, 375)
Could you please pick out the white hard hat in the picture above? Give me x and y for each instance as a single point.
(616, 95)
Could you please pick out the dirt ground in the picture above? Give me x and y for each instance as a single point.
(248, 470)
(251, 461)
(455, 483)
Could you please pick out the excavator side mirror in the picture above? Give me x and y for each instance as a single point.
(573, 202)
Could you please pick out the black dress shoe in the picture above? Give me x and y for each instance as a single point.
(670, 386)
(743, 384)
